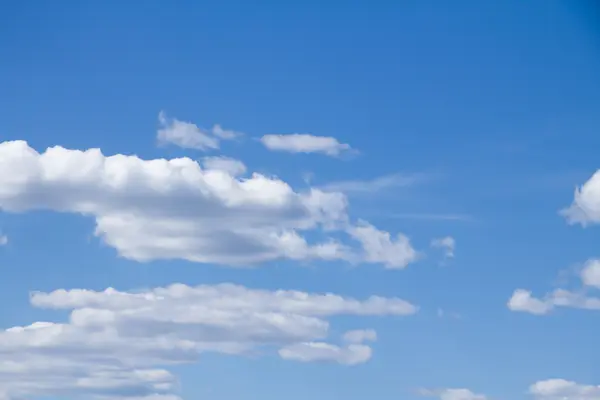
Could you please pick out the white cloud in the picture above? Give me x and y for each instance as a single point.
(115, 342)
(3, 240)
(561, 389)
(352, 354)
(452, 394)
(232, 166)
(360, 336)
(225, 134)
(523, 300)
(174, 209)
(448, 244)
(585, 208)
(373, 186)
(590, 275)
(189, 136)
(381, 247)
(304, 143)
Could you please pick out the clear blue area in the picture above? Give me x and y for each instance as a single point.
(499, 100)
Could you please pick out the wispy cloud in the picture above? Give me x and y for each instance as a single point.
(375, 185)
(432, 216)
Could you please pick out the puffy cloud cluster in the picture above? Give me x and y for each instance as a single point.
(305, 143)
(523, 300)
(116, 345)
(176, 209)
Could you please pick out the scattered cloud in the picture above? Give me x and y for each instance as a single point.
(381, 248)
(452, 394)
(585, 208)
(113, 341)
(229, 165)
(447, 244)
(561, 389)
(376, 185)
(189, 136)
(305, 143)
(174, 209)
(522, 300)
(3, 240)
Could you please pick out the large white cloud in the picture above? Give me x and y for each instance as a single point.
(116, 345)
(523, 300)
(169, 209)
(305, 143)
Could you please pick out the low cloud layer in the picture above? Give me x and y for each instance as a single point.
(119, 345)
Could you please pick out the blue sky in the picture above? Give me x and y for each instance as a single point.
(473, 121)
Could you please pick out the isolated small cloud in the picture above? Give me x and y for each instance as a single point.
(189, 136)
(3, 240)
(305, 143)
(380, 247)
(447, 244)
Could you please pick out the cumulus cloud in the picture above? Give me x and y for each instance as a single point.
(175, 209)
(380, 247)
(119, 345)
(522, 300)
(452, 394)
(189, 136)
(3, 240)
(305, 143)
(447, 244)
(561, 389)
(585, 208)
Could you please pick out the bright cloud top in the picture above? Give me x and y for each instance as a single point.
(117, 344)
(189, 136)
(175, 209)
(522, 300)
(305, 143)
